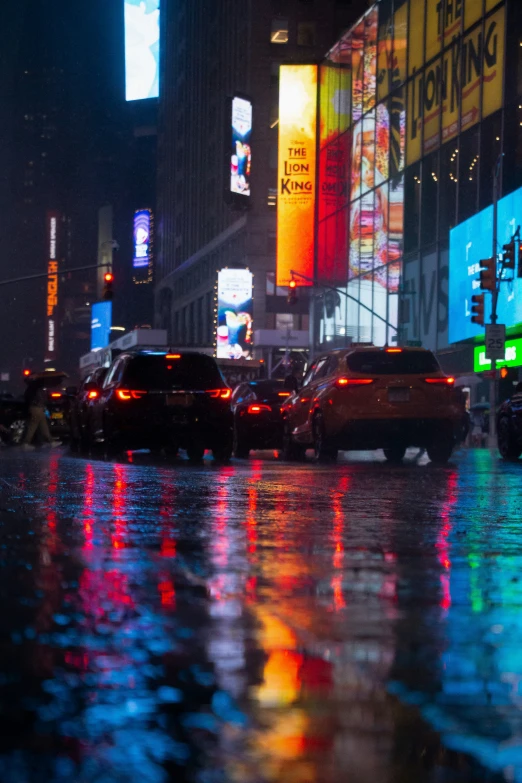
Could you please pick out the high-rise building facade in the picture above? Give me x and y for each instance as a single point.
(213, 52)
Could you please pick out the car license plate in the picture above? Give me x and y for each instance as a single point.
(398, 395)
(180, 400)
(56, 415)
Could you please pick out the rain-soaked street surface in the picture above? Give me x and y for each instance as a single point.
(260, 622)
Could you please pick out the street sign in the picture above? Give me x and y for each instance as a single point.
(495, 339)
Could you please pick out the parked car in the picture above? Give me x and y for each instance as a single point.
(509, 426)
(373, 398)
(80, 408)
(157, 400)
(57, 411)
(256, 406)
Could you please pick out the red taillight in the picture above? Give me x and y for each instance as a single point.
(440, 381)
(173, 356)
(56, 395)
(343, 382)
(284, 394)
(222, 394)
(393, 350)
(258, 408)
(92, 395)
(129, 394)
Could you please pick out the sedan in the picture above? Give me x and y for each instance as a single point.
(257, 416)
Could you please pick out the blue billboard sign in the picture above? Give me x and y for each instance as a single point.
(142, 238)
(470, 242)
(101, 322)
(142, 47)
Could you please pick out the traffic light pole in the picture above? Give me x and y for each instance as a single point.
(41, 275)
(492, 439)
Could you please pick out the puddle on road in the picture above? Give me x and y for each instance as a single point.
(236, 626)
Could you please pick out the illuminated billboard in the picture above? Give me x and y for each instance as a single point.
(51, 347)
(101, 322)
(142, 234)
(241, 150)
(470, 242)
(234, 322)
(296, 172)
(142, 47)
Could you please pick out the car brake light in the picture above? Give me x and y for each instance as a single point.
(393, 350)
(284, 394)
(440, 381)
(258, 408)
(129, 394)
(92, 395)
(173, 356)
(222, 394)
(342, 382)
(56, 395)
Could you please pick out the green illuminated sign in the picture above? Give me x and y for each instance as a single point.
(512, 358)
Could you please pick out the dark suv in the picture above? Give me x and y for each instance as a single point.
(160, 400)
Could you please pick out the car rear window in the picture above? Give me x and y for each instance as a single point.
(157, 372)
(266, 389)
(383, 363)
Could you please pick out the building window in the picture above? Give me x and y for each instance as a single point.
(284, 321)
(279, 33)
(306, 34)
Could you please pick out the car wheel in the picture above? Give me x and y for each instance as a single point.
(291, 451)
(395, 453)
(507, 445)
(324, 451)
(223, 451)
(16, 431)
(439, 451)
(241, 447)
(195, 451)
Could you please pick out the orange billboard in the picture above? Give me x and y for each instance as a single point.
(296, 173)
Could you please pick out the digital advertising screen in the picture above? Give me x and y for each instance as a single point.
(296, 172)
(234, 314)
(101, 322)
(471, 242)
(142, 238)
(142, 49)
(241, 149)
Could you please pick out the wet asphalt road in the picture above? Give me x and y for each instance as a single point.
(260, 622)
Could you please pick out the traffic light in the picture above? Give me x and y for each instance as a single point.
(27, 373)
(519, 259)
(108, 279)
(488, 274)
(504, 372)
(477, 309)
(508, 251)
(292, 293)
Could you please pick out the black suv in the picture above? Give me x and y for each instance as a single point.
(163, 400)
(509, 426)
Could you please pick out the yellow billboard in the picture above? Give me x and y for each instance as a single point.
(493, 79)
(296, 172)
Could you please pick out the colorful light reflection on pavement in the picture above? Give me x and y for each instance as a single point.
(259, 622)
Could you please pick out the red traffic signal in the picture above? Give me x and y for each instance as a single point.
(488, 274)
(108, 279)
(27, 373)
(477, 309)
(292, 293)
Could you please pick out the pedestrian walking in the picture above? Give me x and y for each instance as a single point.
(36, 400)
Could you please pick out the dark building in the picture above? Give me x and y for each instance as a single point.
(70, 144)
(212, 52)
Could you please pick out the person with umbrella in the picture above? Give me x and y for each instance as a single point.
(36, 400)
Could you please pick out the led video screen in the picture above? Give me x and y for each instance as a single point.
(142, 49)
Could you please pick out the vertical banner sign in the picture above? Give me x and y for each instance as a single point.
(142, 238)
(241, 151)
(296, 172)
(52, 286)
(234, 314)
